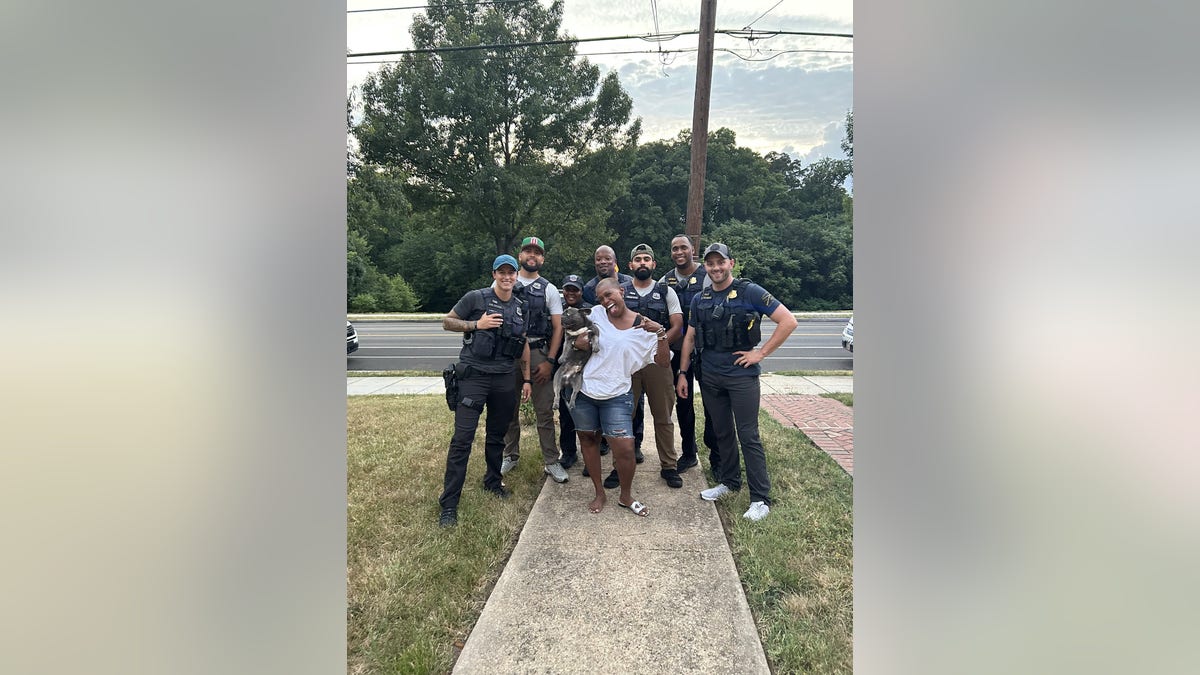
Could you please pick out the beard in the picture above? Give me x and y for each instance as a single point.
(642, 273)
(530, 265)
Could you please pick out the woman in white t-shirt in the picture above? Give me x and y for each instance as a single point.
(605, 402)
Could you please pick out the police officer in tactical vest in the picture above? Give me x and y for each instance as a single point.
(688, 279)
(544, 330)
(725, 328)
(493, 322)
(605, 261)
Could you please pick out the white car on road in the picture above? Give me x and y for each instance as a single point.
(848, 336)
(351, 339)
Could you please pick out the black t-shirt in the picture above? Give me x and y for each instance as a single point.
(471, 307)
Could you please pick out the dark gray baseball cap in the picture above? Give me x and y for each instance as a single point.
(642, 248)
(572, 280)
(718, 248)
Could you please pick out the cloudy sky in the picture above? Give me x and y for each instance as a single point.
(780, 100)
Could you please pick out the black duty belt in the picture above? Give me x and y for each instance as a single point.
(537, 343)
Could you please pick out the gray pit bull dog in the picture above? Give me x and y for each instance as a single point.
(575, 322)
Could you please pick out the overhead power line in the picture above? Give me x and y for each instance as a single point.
(764, 13)
(742, 33)
(773, 54)
(477, 2)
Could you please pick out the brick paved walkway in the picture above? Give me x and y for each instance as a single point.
(827, 422)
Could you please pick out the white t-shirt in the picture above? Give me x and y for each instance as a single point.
(622, 353)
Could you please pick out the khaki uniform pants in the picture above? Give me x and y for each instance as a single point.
(543, 405)
(655, 380)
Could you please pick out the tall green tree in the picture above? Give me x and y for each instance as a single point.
(822, 187)
(739, 185)
(377, 221)
(505, 141)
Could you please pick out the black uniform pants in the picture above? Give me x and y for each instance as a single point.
(566, 428)
(475, 391)
(733, 402)
(685, 414)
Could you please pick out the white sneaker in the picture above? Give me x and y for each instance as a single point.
(757, 511)
(507, 465)
(556, 472)
(712, 494)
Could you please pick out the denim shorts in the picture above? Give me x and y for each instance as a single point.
(615, 414)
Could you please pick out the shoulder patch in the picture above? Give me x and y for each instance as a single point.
(767, 298)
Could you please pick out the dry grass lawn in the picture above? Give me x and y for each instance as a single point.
(415, 590)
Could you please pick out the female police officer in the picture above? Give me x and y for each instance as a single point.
(492, 321)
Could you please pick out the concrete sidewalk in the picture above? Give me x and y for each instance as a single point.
(614, 592)
(617, 593)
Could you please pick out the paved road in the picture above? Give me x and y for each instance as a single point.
(816, 344)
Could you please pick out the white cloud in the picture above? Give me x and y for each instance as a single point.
(793, 101)
(834, 132)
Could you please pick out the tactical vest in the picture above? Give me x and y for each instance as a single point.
(694, 283)
(538, 313)
(653, 305)
(732, 325)
(505, 342)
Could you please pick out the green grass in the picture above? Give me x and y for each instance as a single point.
(797, 565)
(414, 590)
(846, 398)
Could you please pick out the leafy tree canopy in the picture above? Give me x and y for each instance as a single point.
(504, 142)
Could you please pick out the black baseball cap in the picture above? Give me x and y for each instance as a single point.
(572, 280)
(718, 248)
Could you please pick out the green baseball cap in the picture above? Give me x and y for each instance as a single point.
(534, 241)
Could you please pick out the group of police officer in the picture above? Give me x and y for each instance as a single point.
(512, 334)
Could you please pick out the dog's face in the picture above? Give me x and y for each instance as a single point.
(574, 318)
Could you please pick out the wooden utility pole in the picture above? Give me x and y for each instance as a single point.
(704, 60)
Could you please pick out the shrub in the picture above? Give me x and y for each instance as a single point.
(364, 303)
(396, 295)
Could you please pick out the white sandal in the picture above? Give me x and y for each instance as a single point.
(637, 507)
